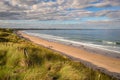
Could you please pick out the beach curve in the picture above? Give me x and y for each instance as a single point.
(107, 64)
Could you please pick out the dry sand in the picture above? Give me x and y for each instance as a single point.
(109, 65)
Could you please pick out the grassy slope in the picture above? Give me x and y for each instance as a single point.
(23, 60)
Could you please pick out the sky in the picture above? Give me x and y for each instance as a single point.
(72, 11)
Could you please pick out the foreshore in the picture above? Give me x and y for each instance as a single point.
(106, 64)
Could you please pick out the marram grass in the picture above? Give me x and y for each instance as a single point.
(23, 60)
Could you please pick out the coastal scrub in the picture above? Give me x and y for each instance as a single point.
(23, 60)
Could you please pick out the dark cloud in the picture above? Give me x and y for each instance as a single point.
(7, 14)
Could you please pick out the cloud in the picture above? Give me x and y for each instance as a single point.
(114, 14)
(59, 9)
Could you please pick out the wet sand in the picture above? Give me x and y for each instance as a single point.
(106, 64)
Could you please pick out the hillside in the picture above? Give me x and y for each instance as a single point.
(24, 60)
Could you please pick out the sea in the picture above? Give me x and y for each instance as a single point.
(103, 39)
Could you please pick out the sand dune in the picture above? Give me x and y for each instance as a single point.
(107, 64)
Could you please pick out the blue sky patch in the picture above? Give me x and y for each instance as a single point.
(95, 9)
(97, 1)
(102, 18)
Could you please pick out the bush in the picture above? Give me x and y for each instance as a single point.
(3, 57)
(4, 40)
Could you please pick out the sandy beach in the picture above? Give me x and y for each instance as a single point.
(109, 65)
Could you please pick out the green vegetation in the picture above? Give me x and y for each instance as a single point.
(23, 60)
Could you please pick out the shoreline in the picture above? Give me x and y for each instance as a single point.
(87, 47)
(108, 65)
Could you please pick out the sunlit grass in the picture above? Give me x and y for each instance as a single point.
(23, 60)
